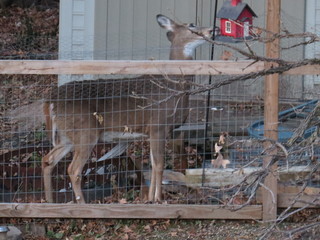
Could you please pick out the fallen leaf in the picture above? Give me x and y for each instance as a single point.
(226, 55)
(147, 228)
(126, 229)
(99, 117)
(125, 237)
(127, 129)
(174, 234)
(123, 201)
(26, 157)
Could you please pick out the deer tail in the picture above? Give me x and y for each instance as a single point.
(50, 122)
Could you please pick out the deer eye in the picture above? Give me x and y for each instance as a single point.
(192, 25)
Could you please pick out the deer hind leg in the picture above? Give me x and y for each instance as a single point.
(180, 160)
(137, 167)
(49, 161)
(81, 155)
(157, 150)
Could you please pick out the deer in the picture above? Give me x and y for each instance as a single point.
(81, 113)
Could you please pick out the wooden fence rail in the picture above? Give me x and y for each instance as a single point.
(142, 67)
(132, 211)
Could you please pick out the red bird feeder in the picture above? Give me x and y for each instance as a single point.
(236, 20)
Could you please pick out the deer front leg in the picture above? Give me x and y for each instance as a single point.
(49, 161)
(157, 150)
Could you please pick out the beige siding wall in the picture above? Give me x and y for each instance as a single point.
(312, 83)
(132, 30)
(127, 29)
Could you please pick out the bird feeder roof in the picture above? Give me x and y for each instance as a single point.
(233, 12)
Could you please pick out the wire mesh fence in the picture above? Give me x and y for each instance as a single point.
(29, 33)
(25, 140)
(213, 169)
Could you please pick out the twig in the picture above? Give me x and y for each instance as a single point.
(303, 125)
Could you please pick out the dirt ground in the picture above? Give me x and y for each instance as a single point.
(301, 225)
(159, 229)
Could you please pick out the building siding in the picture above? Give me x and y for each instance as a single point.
(312, 83)
(127, 29)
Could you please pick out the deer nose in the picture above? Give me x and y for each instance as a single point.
(209, 32)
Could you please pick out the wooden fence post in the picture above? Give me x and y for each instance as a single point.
(271, 108)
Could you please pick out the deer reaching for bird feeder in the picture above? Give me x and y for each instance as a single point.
(79, 114)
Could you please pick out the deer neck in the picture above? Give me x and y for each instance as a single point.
(181, 53)
(184, 51)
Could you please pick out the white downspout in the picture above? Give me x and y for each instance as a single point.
(312, 50)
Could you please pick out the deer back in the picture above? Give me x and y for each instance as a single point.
(121, 104)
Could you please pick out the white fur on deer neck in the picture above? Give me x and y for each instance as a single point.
(190, 48)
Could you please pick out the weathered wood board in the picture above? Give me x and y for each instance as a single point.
(141, 67)
(131, 211)
(215, 177)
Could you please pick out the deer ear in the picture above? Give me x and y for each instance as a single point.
(170, 36)
(165, 22)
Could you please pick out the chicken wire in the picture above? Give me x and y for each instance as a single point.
(25, 140)
(31, 47)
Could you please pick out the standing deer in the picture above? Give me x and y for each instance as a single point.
(79, 114)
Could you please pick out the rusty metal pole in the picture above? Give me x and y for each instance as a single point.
(271, 109)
